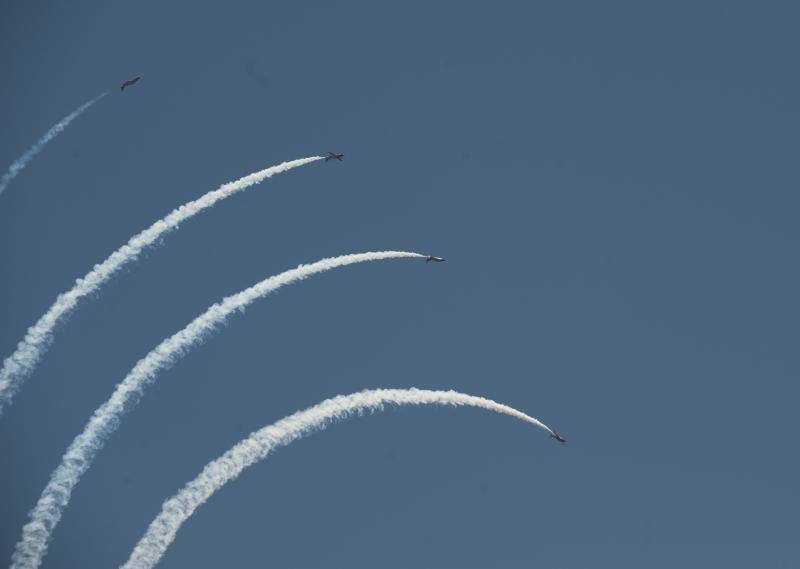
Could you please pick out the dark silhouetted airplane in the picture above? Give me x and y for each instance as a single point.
(436, 259)
(128, 83)
(334, 156)
(558, 437)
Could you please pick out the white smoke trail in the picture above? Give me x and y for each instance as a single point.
(19, 164)
(255, 448)
(54, 499)
(19, 365)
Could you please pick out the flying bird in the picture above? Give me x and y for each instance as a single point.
(128, 83)
(334, 156)
(434, 259)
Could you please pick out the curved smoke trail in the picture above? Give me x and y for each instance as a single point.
(255, 448)
(19, 164)
(54, 499)
(19, 365)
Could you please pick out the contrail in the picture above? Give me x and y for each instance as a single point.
(19, 164)
(54, 499)
(255, 448)
(19, 365)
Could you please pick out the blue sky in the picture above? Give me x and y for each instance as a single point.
(614, 186)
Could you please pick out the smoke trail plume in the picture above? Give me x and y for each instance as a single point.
(255, 448)
(19, 164)
(19, 365)
(54, 499)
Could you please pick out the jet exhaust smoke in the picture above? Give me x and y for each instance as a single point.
(46, 514)
(19, 164)
(259, 445)
(19, 365)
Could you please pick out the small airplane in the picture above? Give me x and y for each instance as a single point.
(559, 438)
(128, 83)
(334, 156)
(435, 259)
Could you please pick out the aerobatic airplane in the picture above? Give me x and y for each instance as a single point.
(128, 83)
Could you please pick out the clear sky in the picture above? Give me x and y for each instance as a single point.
(614, 185)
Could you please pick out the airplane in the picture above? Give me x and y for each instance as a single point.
(128, 83)
(432, 258)
(334, 156)
(559, 438)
